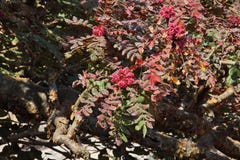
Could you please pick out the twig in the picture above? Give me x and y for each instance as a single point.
(80, 98)
(215, 100)
(229, 62)
(229, 146)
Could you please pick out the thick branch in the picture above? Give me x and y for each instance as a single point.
(60, 136)
(229, 146)
(181, 147)
(34, 97)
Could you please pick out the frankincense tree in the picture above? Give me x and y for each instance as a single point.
(163, 73)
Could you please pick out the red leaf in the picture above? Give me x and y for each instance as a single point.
(153, 77)
(151, 44)
(100, 117)
(212, 80)
(197, 14)
(112, 108)
(139, 61)
(133, 67)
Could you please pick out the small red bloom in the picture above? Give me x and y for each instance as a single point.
(175, 30)
(98, 30)
(167, 11)
(234, 19)
(123, 77)
(160, 1)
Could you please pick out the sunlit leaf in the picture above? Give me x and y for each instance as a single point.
(140, 99)
(202, 66)
(212, 101)
(15, 41)
(139, 125)
(151, 29)
(123, 137)
(176, 80)
(153, 77)
(144, 131)
(141, 50)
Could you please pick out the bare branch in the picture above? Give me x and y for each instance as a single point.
(229, 62)
(215, 100)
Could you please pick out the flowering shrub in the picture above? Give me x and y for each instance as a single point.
(150, 60)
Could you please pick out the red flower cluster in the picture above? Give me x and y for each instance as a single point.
(175, 30)
(234, 19)
(98, 30)
(167, 11)
(123, 77)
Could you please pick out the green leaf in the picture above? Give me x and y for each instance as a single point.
(232, 71)
(96, 93)
(15, 41)
(111, 133)
(127, 122)
(69, 54)
(139, 126)
(229, 80)
(100, 84)
(233, 75)
(144, 131)
(138, 119)
(140, 99)
(123, 137)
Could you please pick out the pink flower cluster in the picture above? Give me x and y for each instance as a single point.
(167, 11)
(98, 30)
(123, 77)
(234, 19)
(160, 1)
(175, 30)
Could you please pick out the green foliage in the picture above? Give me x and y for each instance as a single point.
(233, 76)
